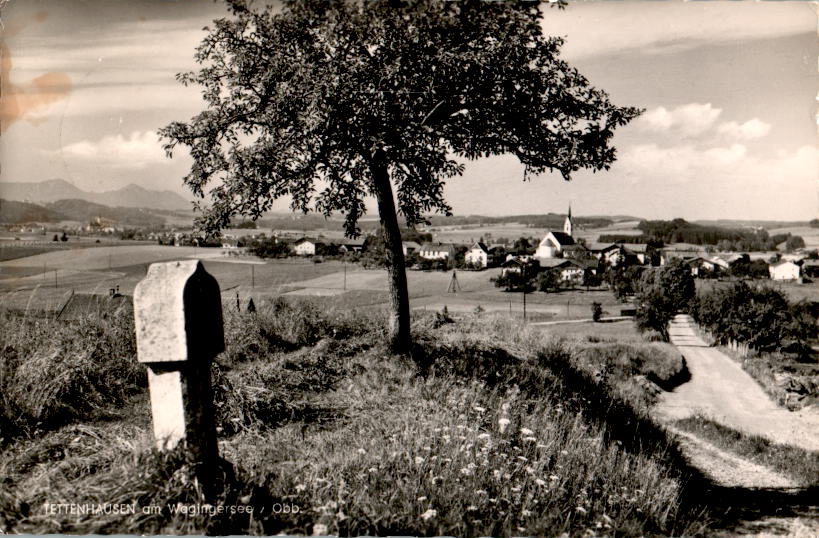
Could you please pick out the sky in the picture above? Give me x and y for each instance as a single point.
(729, 91)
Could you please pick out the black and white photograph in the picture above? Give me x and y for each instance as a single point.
(409, 268)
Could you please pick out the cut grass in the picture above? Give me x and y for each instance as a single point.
(797, 463)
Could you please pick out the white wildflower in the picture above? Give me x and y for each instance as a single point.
(479, 409)
(526, 431)
(503, 422)
(580, 510)
(361, 451)
(320, 529)
(419, 460)
(540, 482)
(422, 498)
(429, 514)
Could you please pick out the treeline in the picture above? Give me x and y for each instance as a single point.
(660, 232)
(759, 316)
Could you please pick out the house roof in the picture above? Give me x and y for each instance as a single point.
(783, 262)
(480, 245)
(551, 263)
(438, 247)
(411, 244)
(562, 238)
(601, 247)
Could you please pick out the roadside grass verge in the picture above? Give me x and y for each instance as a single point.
(487, 429)
(797, 463)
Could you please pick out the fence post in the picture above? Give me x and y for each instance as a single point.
(178, 318)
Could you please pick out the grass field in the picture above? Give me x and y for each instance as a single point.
(40, 281)
(810, 235)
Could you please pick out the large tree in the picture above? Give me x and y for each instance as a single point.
(330, 102)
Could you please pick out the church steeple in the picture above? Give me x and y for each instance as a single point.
(567, 225)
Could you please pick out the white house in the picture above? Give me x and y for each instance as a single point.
(785, 270)
(306, 247)
(477, 255)
(437, 251)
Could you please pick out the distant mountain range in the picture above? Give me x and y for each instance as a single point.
(57, 189)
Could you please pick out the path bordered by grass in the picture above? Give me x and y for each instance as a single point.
(800, 464)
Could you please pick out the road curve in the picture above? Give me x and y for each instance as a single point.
(721, 390)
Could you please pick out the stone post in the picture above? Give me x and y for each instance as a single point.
(178, 315)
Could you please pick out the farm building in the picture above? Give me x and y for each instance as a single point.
(437, 251)
(570, 270)
(785, 271)
(410, 247)
(477, 255)
(701, 265)
(351, 245)
(514, 265)
(306, 246)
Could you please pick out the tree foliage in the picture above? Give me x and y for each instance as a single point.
(760, 316)
(305, 100)
(331, 101)
(664, 291)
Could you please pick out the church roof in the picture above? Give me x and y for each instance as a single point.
(563, 238)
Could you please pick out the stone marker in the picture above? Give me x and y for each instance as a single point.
(178, 315)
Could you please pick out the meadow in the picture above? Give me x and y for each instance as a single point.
(487, 428)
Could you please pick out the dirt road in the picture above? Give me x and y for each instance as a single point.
(724, 392)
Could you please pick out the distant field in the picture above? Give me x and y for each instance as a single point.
(810, 235)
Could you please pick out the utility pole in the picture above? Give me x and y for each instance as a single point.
(253, 276)
(55, 278)
(524, 303)
(345, 276)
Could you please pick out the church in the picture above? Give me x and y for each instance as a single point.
(555, 243)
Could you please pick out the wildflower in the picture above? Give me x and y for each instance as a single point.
(496, 474)
(481, 492)
(429, 514)
(484, 436)
(427, 448)
(471, 508)
(526, 431)
(436, 479)
(461, 427)
(580, 510)
(541, 445)
(564, 452)
(466, 471)
(505, 407)
(529, 469)
(320, 529)
(422, 498)
(361, 451)
(446, 438)
(530, 439)
(479, 409)
(341, 516)
(526, 513)
(522, 458)
(372, 469)
(515, 489)
(419, 460)
(554, 477)
(300, 488)
(503, 422)
(540, 482)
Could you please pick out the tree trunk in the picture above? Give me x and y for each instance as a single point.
(399, 324)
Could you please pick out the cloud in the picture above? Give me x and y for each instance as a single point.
(692, 119)
(138, 150)
(605, 28)
(687, 163)
(750, 130)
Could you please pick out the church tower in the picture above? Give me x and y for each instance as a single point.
(567, 225)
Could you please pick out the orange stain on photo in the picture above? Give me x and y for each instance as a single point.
(19, 102)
